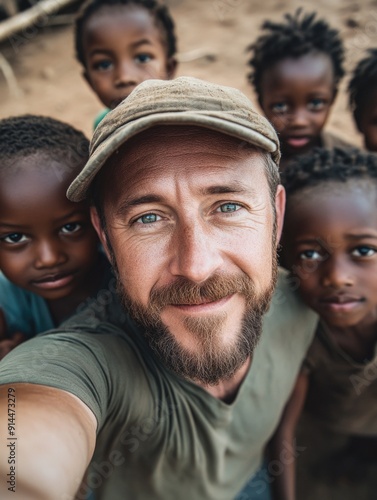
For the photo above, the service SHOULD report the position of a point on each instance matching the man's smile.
(203, 307)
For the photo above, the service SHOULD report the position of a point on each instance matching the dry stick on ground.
(10, 77)
(31, 16)
(35, 15)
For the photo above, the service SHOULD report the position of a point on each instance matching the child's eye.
(228, 207)
(363, 251)
(148, 219)
(143, 58)
(280, 107)
(310, 255)
(316, 104)
(14, 238)
(103, 65)
(71, 227)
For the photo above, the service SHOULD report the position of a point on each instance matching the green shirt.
(161, 436)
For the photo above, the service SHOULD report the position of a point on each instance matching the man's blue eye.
(229, 207)
(14, 238)
(148, 218)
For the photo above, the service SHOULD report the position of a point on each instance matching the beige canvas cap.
(183, 101)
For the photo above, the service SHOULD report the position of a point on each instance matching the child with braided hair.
(296, 67)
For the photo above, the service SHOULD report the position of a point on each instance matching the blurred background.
(39, 73)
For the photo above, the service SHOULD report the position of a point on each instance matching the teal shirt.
(100, 117)
(24, 311)
(28, 313)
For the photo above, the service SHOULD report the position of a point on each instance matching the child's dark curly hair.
(299, 35)
(323, 165)
(364, 78)
(26, 135)
(158, 11)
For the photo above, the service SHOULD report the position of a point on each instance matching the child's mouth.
(339, 304)
(298, 142)
(54, 281)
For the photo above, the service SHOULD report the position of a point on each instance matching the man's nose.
(197, 255)
(337, 272)
(49, 254)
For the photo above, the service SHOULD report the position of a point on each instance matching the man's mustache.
(185, 292)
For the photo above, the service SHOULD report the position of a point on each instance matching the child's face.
(330, 245)
(367, 123)
(47, 243)
(123, 47)
(296, 96)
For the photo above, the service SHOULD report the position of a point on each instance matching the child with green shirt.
(297, 66)
(121, 43)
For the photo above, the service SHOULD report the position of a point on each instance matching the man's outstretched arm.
(46, 442)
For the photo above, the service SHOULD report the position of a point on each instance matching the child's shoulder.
(24, 311)
(288, 318)
(101, 115)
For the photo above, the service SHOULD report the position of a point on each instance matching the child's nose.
(49, 254)
(337, 273)
(300, 118)
(126, 74)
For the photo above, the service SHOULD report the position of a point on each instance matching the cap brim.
(78, 189)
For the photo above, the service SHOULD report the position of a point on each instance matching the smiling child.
(49, 251)
(330, 248)
(362, 91)
(296, 69)
(121, 43)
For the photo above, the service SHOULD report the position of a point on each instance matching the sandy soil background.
(50, 82)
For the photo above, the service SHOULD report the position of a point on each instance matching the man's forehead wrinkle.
(139, 154)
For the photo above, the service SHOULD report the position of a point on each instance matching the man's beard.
(213, 360)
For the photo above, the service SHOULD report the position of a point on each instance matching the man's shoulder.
(288, 316)
(102, 312)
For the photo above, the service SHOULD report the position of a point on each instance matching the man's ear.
(171, 67)
(280, 210)
(96, 221)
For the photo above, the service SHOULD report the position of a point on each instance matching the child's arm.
(8, 343)
(283, 444)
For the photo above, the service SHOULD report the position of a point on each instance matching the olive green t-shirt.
(161, 436)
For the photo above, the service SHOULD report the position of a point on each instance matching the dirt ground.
(49, 80)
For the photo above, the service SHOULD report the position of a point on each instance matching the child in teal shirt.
(49, 252)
